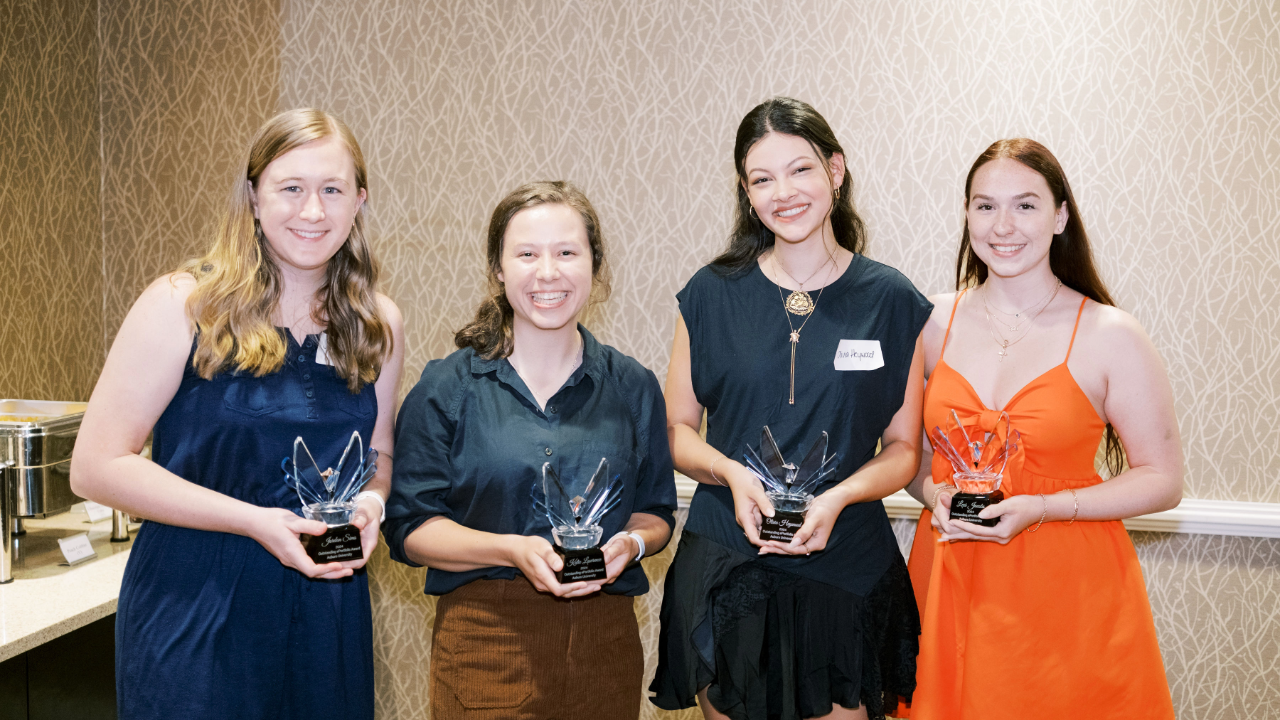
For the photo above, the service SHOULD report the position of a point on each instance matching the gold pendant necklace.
(799, 303)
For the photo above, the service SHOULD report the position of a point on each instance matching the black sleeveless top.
(852, 366)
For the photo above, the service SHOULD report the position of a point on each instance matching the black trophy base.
(782, 526)
(581, 565)
(966, 506)
(338, 544)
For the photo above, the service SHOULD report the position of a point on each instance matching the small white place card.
(76, 548)
(96, 512)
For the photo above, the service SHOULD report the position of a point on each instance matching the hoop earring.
(751, 210)
(837, 193)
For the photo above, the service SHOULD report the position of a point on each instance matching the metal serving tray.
(36, 439)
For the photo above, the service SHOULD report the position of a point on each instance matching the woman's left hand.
(367, 520)
(816, 530)
(618, 554)
(1016, 514)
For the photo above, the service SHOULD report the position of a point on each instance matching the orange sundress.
(1055, 624)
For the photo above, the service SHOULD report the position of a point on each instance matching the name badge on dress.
(322, 350)
(859, 355)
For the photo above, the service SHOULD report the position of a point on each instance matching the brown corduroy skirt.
(501, 649)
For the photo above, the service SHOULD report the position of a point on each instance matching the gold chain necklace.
(1020, 316)
(800, 302)
(808, 308)
(995, 332)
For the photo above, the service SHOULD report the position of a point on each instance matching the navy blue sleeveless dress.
(211, 625)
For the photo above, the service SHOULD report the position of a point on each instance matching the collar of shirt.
(507, 375)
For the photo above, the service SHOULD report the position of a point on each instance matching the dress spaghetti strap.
(1073, 330)
(952, 319)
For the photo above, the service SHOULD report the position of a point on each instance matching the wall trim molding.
(1192, 516)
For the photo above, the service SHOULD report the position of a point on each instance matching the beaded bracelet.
(1043, 514)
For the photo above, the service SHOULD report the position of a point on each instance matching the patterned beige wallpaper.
(50, 214)
(184, 84)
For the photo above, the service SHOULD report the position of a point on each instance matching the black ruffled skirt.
(778, 646)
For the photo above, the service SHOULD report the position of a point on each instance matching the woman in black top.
(792, 327)
(531, 386)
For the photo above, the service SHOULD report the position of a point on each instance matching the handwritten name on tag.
(96, 512)
(76, 548)
(859, 355)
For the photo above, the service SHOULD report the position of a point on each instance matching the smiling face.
(1012, 218)
(788, 185)
(546, 266)
(306, 202)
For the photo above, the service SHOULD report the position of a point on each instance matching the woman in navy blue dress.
(277, 332)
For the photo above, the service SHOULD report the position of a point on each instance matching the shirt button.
(548, 451)
(306, 376)
(302, 358)
(311, 393)
(552, 408)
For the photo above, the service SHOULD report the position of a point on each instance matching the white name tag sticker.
(96, 512)
(322, 350)
(76, 548)
(859, 355)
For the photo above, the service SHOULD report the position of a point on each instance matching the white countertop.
(36, 610)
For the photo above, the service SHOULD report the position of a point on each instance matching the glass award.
(788, 486)
(979, 458)
(575, 510)
(329, 496)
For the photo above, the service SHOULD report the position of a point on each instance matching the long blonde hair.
(238, 282)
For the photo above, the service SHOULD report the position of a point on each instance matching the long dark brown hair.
(1070, 256)
(750, 238)
(490, 334)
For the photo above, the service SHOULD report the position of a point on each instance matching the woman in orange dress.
(1044, 615)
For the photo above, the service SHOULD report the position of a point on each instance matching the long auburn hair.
(1070, 255)
(238, 282)
(491, 333)
(750, 238)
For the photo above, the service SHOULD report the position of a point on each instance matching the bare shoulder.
(163, 304)
(172, 287)
(942, 304)
(1113, 328)
(1116, 346)
(390, 311)
(935, 330)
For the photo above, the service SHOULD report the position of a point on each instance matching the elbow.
(86, 475)
(81, 476)
(1173, 493)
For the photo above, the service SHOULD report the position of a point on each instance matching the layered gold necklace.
(1016, 330)
(799, 303)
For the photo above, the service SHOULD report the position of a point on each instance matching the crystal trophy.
(789, 488)
(979, 458)
(575, 513)
(329, 496)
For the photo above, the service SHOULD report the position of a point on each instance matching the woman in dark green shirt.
(531, 386)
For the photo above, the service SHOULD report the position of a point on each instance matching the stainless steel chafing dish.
(36, 439)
